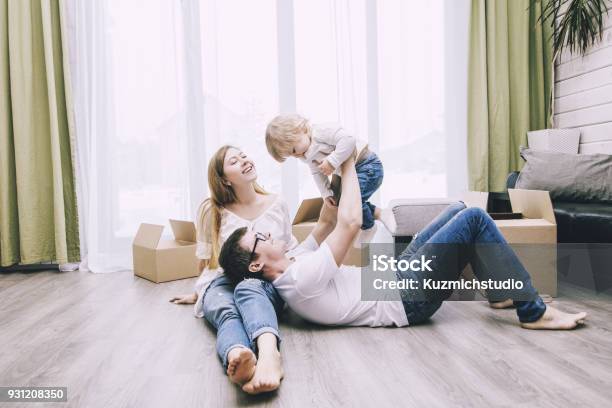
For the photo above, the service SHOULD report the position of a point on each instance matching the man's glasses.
(258, 237)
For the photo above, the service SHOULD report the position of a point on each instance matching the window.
(240, 78)
(411, 95)
(159, 85)
(330, 60)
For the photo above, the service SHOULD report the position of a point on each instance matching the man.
(314, 283)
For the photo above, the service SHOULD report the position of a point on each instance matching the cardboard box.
(305, 220)
(555, 140)
(533, 237)
(162, 260)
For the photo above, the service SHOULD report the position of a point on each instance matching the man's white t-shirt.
(320, 291)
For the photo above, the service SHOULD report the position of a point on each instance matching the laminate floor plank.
(115, 341)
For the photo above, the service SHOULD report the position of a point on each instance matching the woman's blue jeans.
(241, 313)
(456, 237)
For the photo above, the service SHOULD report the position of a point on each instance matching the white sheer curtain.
(159, 85)
(240, 78)
(412, 98)
(140, 147)
(331, 78)
(394, 73)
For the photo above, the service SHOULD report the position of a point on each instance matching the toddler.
(324, 147)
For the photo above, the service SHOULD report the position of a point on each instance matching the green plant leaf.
(579, 28)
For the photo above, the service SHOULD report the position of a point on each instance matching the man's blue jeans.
(241, 313)
(459, 236)
(370, 175)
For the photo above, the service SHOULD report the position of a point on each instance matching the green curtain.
(38, 213)
(510, 86)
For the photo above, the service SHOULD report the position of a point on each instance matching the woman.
(245, 315)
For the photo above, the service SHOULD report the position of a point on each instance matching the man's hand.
(189, 299)
(326, 168)
(330, 202)
(349, 214)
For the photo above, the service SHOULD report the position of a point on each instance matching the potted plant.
(580, 27)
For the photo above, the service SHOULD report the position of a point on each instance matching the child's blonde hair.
(282, 132)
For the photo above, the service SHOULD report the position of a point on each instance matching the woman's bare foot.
(241, 363)
(268, 374)
(554, 319)
(504, 304)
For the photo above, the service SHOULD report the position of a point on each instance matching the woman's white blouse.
(275, 220)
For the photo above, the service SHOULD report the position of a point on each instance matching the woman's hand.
(189, 299)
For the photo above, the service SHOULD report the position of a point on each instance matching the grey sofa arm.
(412, 215)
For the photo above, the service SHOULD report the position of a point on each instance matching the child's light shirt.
(332, 143)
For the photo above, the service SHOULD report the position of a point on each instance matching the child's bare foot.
(241, 363)
(387, 218)
(365, 236)
(268, 374)
(554, 319)
(504, 304)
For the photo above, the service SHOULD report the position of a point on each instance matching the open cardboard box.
(533, 237)
(305, 220)
(162, 260)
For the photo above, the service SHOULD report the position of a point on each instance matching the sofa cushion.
(583, 222)
(412, 215)
(568, 177)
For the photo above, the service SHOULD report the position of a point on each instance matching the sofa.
(584, 232)
(584, 235)
(579, 222)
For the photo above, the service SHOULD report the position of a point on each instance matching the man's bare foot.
(504, 304)
(268, 374)
(546, 298)
(554, 319)
(241, 363)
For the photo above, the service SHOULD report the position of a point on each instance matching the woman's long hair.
(221, 194)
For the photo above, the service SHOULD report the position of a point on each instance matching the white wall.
(583, 94)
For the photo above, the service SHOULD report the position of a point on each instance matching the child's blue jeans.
(370, 175)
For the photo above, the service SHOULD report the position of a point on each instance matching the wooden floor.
(115, 341)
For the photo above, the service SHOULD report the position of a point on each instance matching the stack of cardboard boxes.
(533, 236)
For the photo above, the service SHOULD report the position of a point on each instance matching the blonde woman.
(245, 315)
